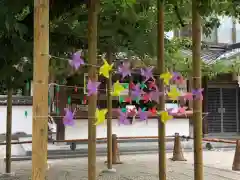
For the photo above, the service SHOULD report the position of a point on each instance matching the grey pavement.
(24, 151)
(135, 167)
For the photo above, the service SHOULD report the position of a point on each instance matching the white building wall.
(20, 123)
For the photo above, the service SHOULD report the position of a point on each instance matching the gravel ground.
(135, 167)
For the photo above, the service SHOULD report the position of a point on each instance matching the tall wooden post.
(161, 69)
(40, 89)
(92, 74)
(9, 130)
(197, 103)
(109, 118)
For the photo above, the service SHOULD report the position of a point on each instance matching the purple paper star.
(154, 95)
(123, 118)
(76, 61)
(176, 76)
(137, 92)
(68, 119)
(143, 115)
(124, 70)
(197, 93)
(92, 87)
(147, 72)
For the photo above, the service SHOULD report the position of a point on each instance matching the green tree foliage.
(16, 51)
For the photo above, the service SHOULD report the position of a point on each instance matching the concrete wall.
(80, 129)
(20, 123)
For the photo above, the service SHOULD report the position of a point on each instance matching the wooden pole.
(40, 89)
(197, 103)
(161, 69)
(92, 74)
(9, 131)
(109, 117)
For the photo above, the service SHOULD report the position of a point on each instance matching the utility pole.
(40, 90)
(93, 75)
(197, 80)
(161, 69)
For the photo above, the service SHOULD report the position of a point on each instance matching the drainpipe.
(234, 34)
(234, 39)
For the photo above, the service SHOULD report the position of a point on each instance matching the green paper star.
(124, 110)
(142, 85)
(69, 100)
(137, 99)
(121, 99)
(57, 111)
(26, 113)
(126, 85)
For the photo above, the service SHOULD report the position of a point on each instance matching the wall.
(80, 129)
(20, 123)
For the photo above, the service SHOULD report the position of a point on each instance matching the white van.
(52, 128)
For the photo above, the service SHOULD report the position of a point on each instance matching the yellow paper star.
(165, 116)
(173, 94)
(105, 68)
(100, 116)
(166, 77)
(117, 89)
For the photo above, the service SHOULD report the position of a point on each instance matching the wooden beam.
(40, 89)
(9, 130)
(93, 75)
(161, 69)
(109, 117)
(197, 84)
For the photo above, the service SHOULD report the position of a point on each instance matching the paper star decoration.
(142, 85)
(105, 68)
(132, 85)
(147, 73)
(153, 111)
(128, 99)
(181, 110)
(124, 70)
(154, 95)
(92, 87)
(173, 94)
(188, 96)
(124, 110)
(165, 116)
(197, 93)
(146, 97)
(152, 84)
(177, 77)
(68, 119)
(123, 118)
(117, 89)
(100, 116)
(132, 112)
(143, 115)
(136, 93)
(166, 77)
(121, 99)
(76, 61)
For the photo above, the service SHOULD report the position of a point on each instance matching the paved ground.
(136, 167)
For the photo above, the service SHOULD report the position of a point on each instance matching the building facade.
(221, 100)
